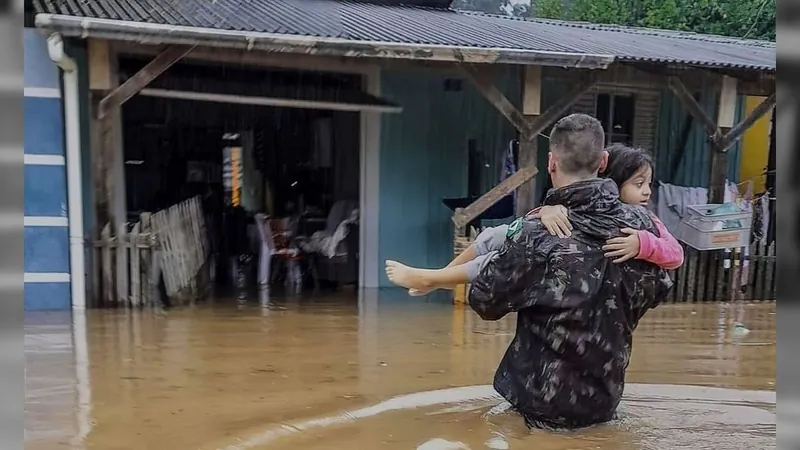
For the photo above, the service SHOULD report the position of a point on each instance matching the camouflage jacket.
(576, 310)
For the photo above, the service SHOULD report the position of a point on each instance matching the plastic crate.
(715, 227)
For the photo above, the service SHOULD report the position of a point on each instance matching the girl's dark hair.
(624, 162)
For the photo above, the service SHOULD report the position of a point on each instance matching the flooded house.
(170, 146)
(147, 123)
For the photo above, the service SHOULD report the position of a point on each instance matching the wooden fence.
(170, 245)
(705, 276)
(721, 275)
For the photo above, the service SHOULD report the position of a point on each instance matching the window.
(616, 113)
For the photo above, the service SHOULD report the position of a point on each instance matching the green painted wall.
(694, 168)
(424, 159)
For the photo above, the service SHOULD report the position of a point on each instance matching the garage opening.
(273, 151)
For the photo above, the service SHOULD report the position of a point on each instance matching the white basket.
(706, 228)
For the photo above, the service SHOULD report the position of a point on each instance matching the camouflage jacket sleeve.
(505, 284)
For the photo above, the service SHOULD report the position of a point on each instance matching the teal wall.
(423, 159)
(694, 168)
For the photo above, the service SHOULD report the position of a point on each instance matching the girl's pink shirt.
(664, 251)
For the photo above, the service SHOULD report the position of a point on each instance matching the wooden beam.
(109, 113)
(532, 108)
(264, 59)
(687, 100)
(553, 113)
(481, 78)
(738, 131)
(464, 216)
(143, 77)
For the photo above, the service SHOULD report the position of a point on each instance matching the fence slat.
(136, 270)
(144, 220)
(691, 261)
(769, 278)
(719, 276)
(122, 265)
(97, 275)
(759, 293)
(108, 272)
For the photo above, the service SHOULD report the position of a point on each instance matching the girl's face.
(636, 190)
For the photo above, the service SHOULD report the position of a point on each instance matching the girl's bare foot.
(404, 276)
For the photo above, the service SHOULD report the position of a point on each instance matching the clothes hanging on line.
(509, 167)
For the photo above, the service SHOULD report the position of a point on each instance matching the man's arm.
(505, 281)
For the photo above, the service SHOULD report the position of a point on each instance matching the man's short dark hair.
(578, 140)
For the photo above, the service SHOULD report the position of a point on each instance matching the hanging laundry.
(508, 168)
(757, 233)
(760, 218)
(673, 203)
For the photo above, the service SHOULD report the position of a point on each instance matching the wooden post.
(531, 109)
(103, 77)
(726, 116)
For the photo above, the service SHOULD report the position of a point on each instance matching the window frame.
(608, 126)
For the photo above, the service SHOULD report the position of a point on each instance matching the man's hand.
(555, 219)
(623, 248)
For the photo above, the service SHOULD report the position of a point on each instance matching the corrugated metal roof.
(363, 21)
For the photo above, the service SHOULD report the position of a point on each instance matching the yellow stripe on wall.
(755, 147)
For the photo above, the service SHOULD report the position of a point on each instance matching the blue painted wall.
(694, 169)
(424, 158)
(47, 242)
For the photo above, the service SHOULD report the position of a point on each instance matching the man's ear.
(551, 163)
(603, 162)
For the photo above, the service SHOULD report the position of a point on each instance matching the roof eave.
(159, 34)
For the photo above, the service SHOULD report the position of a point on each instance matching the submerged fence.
(170, 245)
(726, 275)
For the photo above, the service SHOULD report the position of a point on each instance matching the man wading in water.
(576, 309)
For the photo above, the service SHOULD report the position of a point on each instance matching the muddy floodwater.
(376, 370)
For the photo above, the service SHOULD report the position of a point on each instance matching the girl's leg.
(489, 240)
(429, 279)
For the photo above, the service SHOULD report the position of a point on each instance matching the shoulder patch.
(514, 229)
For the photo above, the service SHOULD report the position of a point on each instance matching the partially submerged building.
(393, 107)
